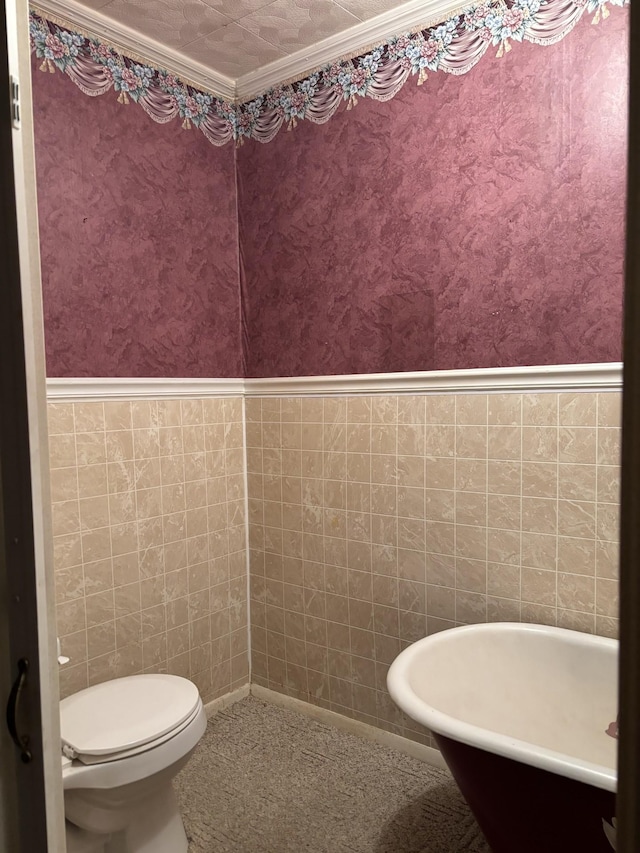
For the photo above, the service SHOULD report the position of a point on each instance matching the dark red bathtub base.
(522, 809)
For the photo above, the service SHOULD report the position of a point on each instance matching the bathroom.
(312, 400)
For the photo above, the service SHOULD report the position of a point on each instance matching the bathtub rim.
(600, 776)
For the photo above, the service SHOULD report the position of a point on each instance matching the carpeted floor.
(268, 780)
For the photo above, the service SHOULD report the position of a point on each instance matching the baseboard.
(222, 702)
(401, 744)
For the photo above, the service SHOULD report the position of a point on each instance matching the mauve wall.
(139, 245)
(477, 221)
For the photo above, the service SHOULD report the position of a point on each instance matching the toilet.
(123, 742)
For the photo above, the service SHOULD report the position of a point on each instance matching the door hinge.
(15, 103)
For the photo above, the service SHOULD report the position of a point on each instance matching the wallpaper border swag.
(454, 47)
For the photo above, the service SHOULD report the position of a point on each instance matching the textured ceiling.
(237, 37)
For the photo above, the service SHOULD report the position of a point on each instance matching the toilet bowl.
(123, 742)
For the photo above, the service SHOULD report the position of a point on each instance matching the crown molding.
(557, 377)
(102, 389)
(417, 14)
(135, 44)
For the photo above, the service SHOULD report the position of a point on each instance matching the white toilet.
(123, 742)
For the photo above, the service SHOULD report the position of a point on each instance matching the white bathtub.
(538, 696)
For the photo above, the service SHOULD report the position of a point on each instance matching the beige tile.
(608, 522)
(540, 479)
(117, 415)
(94, 513)
(69, 584)
(144, 414)
(471, 542)
(62, 451)
(610, 409)
(90, 448)
(575, 621)
(192, 412)
(503, 609)
(607, 560)
(471, 409)
(576, 556)
(411, 471)
(538, 586)
(439, 538)
(505, 409)
(60, 418)
(124, 538)
(505, 442)
(101, 640)
(71, 616)
(439, 439)
(98, 576)
(384, 410)
(439, 473)
(471, 575)
(64, 484)
(504, 477)
(89, 417)
(100, 608)
(120, 476)
(471, 475)
(539, 550)
(576, 592)
(471, 607)
(609, 445)
(577, 518)
(67, 550)
(577, 409)
(540, 409)
(504, 512)
(73, 678)
(470, 508)
(503, 546)
(539, 444)
(440, 409)
(577, 482)
(411, 409)
(65, 518)
(608, 483)
(471, 441)
(503, 581)
(96, 544)
(577, 444)
(119, 446)
(92, 480)
(540, 515)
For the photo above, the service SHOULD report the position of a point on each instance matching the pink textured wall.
(139, 244)
(476, 221)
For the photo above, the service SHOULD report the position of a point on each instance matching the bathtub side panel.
(522, 808)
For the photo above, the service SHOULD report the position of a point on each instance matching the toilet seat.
(126, 716)
(153, 758)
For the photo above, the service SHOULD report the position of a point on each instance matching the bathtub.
(523, 716)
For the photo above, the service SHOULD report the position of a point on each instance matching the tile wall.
(377, 520)
(150, 540)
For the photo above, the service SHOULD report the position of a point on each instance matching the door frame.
(28, 603)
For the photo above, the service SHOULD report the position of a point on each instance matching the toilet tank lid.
(124, 713)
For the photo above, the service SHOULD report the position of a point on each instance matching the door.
(31, 805)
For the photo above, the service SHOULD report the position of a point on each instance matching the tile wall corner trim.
(223, 702)
(557, 377)
(428, 754)
(80, 390)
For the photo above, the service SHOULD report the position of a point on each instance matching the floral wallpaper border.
(454, 47)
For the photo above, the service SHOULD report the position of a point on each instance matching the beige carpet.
(267, 780)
